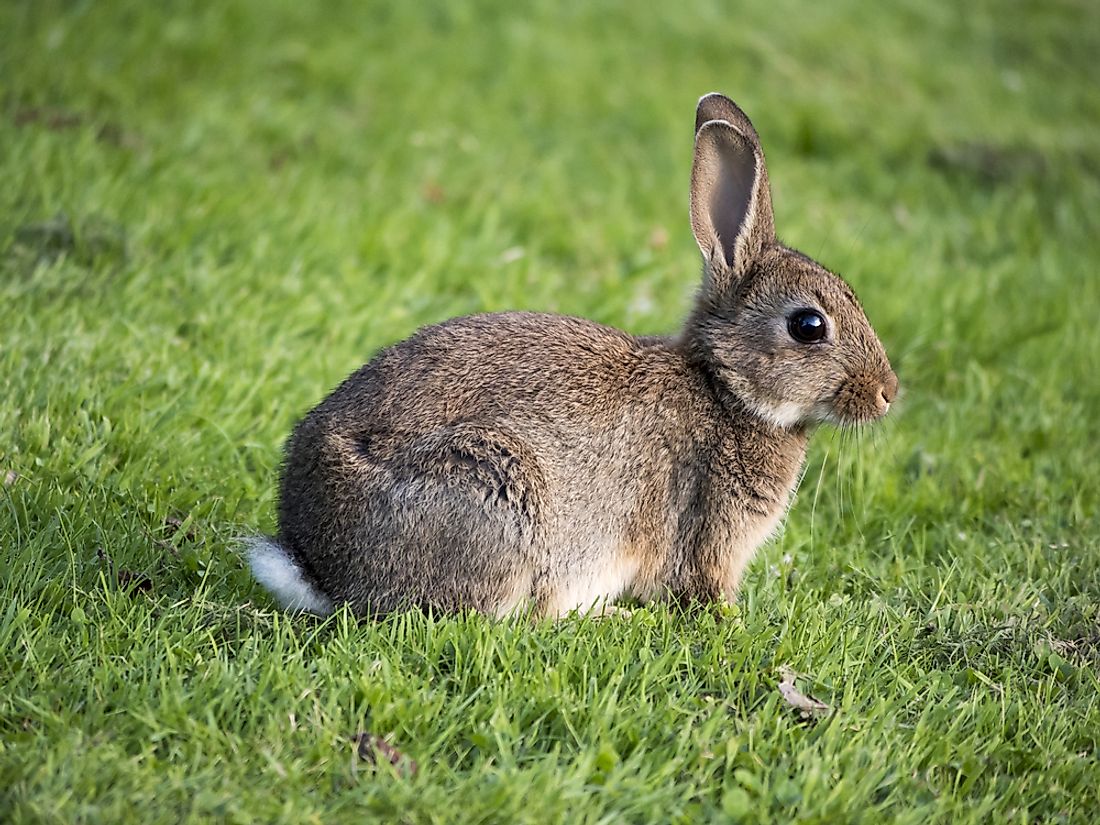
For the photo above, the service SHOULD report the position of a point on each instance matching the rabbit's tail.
(273, 567)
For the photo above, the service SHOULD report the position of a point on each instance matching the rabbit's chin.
(782, 414)
(852, 419)
(789, 414)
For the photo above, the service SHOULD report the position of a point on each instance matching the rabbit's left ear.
(731, 209)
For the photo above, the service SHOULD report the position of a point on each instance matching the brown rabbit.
(519, 461)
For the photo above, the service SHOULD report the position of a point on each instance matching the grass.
(212, 212)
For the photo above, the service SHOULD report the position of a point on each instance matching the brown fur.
(514, 460)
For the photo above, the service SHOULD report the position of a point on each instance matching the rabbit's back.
(502, 365)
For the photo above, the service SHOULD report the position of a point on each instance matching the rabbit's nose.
(889, 388)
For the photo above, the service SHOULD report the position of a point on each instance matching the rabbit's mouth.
(861, 401)
(855, 419)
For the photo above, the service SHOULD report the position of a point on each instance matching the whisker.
(794, 494)
(839, 483)
(817, 495)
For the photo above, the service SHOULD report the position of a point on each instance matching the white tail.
(276, 571)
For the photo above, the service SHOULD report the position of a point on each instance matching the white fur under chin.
(786, 414)
(782, 414)
(276, 571)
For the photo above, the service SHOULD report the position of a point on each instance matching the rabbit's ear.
(716, 106)
(731, 210)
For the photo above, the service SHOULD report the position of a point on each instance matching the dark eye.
(807, 326)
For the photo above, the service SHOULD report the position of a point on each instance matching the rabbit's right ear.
(731, 211)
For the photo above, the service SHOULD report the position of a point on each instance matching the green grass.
(211, 213)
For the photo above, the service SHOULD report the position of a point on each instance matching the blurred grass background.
(211, 213)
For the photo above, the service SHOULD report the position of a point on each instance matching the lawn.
(210, 213)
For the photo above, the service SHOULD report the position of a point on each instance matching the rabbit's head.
(782, 333)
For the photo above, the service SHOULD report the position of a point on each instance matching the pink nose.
(889, 388)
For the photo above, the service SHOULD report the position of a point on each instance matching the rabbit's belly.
(516, 598)
(607, 576)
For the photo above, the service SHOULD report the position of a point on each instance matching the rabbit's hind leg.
(459, 525)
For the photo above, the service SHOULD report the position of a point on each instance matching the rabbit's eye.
(807, 326)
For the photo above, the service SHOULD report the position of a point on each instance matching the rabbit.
(520, 462)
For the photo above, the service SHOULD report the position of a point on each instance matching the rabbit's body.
(521, 460)
(475, 485)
